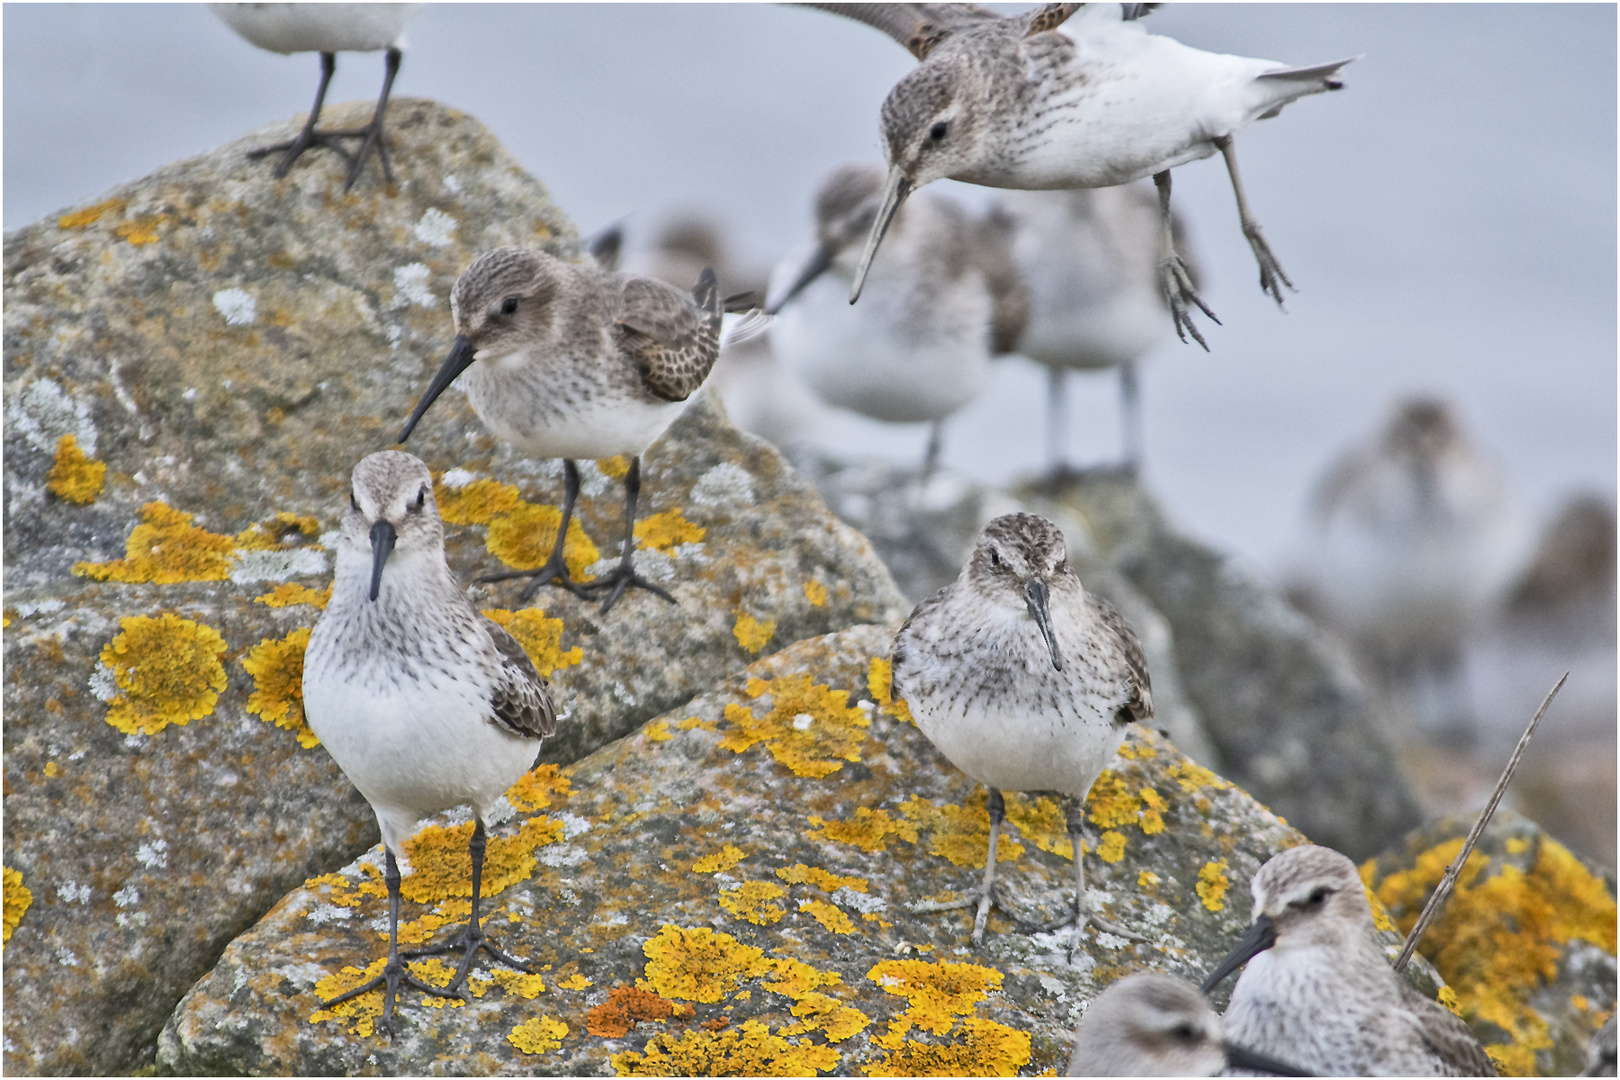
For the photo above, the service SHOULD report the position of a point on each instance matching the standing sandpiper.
(1012, 102)
(575, 362)
(1025, 681)
(424, 703)
(946, 299)
(327, 29)
(1153, 1024)
(1318, 988)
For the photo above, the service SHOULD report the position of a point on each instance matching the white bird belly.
(1021, 750)
(601, 425)
(290, 28)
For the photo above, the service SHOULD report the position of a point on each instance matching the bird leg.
(624, 575)
(394, 973)
(472, 939)
(996, 806)
(1271, 272)
(1131, 416)
(931, 455)
(1057, 422)
(310, 136)
(1174, 280)
(555, 570)
(372, 133)
(1082, 913)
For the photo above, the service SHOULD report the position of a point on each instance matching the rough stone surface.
(737, 876)
(211, 342)
(1526, 941)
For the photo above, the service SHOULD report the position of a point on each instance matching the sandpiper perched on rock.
(946, 299)
(1024, 680)
(1318, 988)
(327, 29)
(574, 361)
(424, 703)
(1153, 1024)
(1014, 102)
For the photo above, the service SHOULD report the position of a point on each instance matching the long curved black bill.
(820, 259)
(382, 543)
(459, 360)
(1036, 597)
(894, 193)
(1239, 1057)
(1261, 936)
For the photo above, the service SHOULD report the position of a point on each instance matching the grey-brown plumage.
(574, 361)
(1318, 989)
(1023, 679)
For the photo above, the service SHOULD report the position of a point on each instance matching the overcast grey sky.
(1449, 218)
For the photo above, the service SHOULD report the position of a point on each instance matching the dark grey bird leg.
(1130, 410)
(1271, 272)
(394, 974)
(1082, 906)
(996, 806)
(373, 132)
(931, 455)
(1174, 280)
(472, 939)
(624, 575)
(1057, 421)
(555, 570)
(310, 136)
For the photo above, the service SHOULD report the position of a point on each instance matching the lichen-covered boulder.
(728, 892)
(1526, 940)
(192, 367)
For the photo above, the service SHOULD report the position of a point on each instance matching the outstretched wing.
(919, 27)
(522, 704)
(672, 340)
(1139, 705)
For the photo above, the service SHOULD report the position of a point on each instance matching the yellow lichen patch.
(1192, 776)
(1151, 819)
(274, 534)
(751, 633)
(166, 548)
(627, 1006)
(868, 830)
(52, 769)
(795, 979)
(277, 667)
(1111, 848)
(816, 593)
(936, 993)
(75, 476)
(442, 868)
(365, 1010)
(477, 502)
(722, 860)
(1380, 914)
(80, 218)
(575, 981)
(1212, 885)
(697, 723)
(538, 1035)
(344, 893)
(658, 731)
(826, 880)
(981, 1048)
(1148, 880)
(453, 912)
(829, 1016)
(878, 680)
(1041, 821)
(828, 915)
(1448, 998)
(750, 1049)
(141, 230)
(754, 901)
(517, 983)
(698, 964)
(167, 671)
(540, 637)
(960, 833)
(17, 898)
(539, 788)
(667, 531)
(523, 539)
(291, 593)
(613, 467)
(811, 729)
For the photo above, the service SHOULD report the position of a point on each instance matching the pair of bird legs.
(311, 136)
(555, 569)
(470, 941)
(1082, 914)
(1057, 427)
(1174, 278)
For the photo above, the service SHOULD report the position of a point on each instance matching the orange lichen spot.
(1042, 821)
(538, 1035)
(90, 214)
(478, 502)
(960, 833)
(277, 667)
(667, 531)
(935, 992)
(868, 830)
(1192, 776)
(829, 1016)
(166, 548)
(828, 915)
(627, 1006)
(575, 981)
(290, 593)
(441, 867)
(810, 728)
(1212, 885)
(722, 860)
(17, 898)
(751, 633)
(879, 678)
(698, 964)
(816, 593)
(826, 880)
(749, 1049)
(540, 637)
(523, 538)
(275, 533)
(75, 476)
(1111, 848)
(141, 230)
(980, 1048)
(539, 788)
(166, 670)
(755, 901)
(615, 467)
(658, 731)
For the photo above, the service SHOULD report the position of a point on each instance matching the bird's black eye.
(353, 501)
(1318, 895)
(421, 499)
(1184, 1032)
(509, 305)
(937, 132)
(995, 557)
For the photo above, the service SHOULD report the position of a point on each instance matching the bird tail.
(1316, 78)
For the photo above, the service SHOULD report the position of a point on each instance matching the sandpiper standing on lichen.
(1025, 681)
(423, 702)
(1319, 989)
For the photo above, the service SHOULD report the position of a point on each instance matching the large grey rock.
(223, 345)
